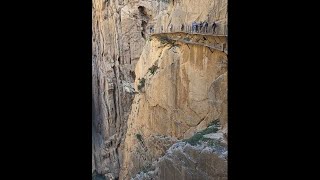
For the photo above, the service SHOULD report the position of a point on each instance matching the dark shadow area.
(133, 75)
(142, 10)
(96, 176)
(144, 26)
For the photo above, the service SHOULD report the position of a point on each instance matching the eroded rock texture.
(185, 162)
(135, 123)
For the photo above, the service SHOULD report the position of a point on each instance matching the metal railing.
(219, 30)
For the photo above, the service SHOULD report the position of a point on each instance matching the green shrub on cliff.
(141, 83)
(213, 127)
(166, 40)
(186, 39)
(153, 69)
(139, 137)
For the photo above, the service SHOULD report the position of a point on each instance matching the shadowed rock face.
(185, 162)
(186, 91)
(192, 163)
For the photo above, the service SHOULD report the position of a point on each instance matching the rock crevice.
(186, 91)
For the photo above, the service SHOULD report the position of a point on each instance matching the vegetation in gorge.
(213, 127)
(165, 40)
(139, 137)
(142, 82)
(153, 69)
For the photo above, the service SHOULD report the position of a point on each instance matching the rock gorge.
(156, 96)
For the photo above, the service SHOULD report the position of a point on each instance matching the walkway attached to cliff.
(220, 42)
(216, 46)
(218, 31)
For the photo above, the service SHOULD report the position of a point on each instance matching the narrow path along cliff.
(159, 89)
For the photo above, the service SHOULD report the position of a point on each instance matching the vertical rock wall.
(122, 52)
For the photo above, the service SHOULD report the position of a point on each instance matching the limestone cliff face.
(117, 45)
(184, 88)
(185, 162)
(185, 94)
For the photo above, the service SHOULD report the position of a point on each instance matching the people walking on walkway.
(171, 26)
(200, 26)
(214, 25)
(182, 27)
(206, 27)
(193, 26)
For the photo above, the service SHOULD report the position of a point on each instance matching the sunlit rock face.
(149, 93)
